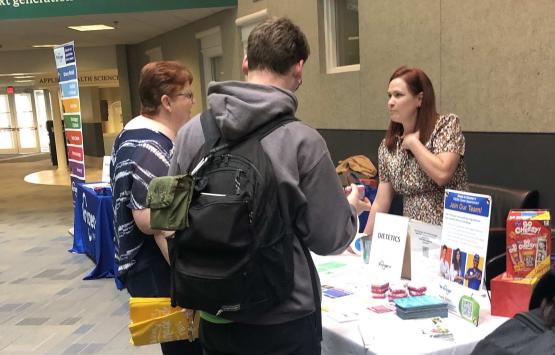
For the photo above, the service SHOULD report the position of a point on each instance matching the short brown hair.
(417, 82)
(158, 79)
(276, 45)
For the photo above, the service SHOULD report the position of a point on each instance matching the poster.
(464, 243)
(66, 65)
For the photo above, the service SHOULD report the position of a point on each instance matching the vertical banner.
(464, 239)
(66, 65)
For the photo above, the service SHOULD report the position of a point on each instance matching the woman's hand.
(439, 167)
(410, 140)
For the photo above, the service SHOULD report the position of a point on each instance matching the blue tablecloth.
(93, 230)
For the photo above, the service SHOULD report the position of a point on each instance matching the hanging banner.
(464, 239)
(66, 65)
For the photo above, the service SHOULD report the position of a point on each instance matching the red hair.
(158, 79)
(417, 82)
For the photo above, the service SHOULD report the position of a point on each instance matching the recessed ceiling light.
(45, 45)
(23, 81)
(91, 28)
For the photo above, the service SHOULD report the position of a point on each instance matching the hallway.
(45, 306)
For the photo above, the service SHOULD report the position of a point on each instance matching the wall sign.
(22, 9)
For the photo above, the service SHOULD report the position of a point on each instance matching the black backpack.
(237, 253)
(525, 334)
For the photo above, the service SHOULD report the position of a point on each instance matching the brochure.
(464, 243)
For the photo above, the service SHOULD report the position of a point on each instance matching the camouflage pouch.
(169, 198)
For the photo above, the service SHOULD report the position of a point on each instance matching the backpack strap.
(210, 130)
(271, 126)
(316, 294)
(213, 137)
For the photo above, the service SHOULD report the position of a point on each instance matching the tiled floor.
(45, 306)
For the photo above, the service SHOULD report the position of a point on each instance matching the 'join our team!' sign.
(71, 108)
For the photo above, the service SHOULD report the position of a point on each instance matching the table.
(385, 333)
(94, 229)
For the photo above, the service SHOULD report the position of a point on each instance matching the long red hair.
(417, 82)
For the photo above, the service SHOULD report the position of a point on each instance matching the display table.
(94, 229)
(349, 327)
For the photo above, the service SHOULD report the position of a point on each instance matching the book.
(420, 303)
(429, 313)
(421, 307)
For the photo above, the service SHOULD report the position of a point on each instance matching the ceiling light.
(24, 77)
(45, 45)
(91, 28)
(23, 81)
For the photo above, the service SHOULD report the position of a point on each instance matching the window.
(341, 33)
(216, 66)
(247, 23)
(211, 52)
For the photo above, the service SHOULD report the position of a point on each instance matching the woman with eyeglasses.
(141, 152)
(422, 152)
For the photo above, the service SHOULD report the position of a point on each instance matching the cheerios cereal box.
(528, 243)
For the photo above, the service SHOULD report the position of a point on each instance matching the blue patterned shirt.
(138, 155)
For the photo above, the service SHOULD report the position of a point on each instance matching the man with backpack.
(302, 206)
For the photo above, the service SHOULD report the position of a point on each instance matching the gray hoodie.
(310, 194)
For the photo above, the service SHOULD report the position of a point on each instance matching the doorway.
(20, 129)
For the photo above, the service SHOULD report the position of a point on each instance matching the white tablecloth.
(386, 333)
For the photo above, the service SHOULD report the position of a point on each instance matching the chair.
(503, 200)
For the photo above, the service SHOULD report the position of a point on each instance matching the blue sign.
(69, 89)
(467, 203)
(69, 53)
(67, 73)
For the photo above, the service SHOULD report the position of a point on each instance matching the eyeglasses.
(188, 94)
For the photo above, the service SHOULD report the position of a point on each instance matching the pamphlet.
(464, 243)
(105, 169)
(425, 245)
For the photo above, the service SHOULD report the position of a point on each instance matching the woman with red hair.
(422, 152)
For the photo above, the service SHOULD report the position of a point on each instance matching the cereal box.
(528, 243)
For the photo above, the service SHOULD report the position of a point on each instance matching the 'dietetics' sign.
(66, 65)
(388, 246)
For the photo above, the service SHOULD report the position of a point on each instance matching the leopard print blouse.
(422, 197)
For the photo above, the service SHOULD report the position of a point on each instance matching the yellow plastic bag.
(154, 320)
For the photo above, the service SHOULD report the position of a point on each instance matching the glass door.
(26, 123)
(8, 144)
(42, 105)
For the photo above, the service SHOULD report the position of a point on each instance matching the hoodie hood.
(241, 107)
